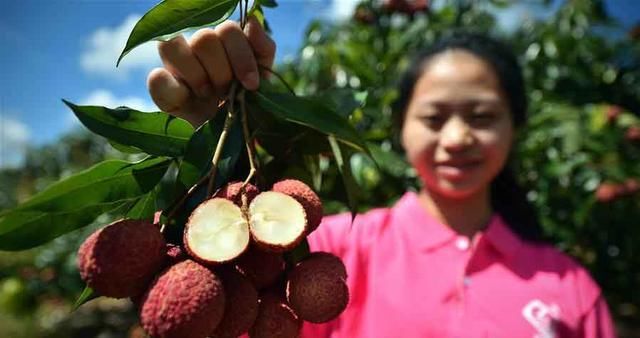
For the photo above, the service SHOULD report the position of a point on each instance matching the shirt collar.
(501, 237)
(423, 232)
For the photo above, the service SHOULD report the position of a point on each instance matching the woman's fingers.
(168, 93)
(209, 51)
(239, 53)
(263, 46)
(179, 59)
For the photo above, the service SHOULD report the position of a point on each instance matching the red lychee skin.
(175, 254)
(241, 305)
(121, 259)
(275, 319)
(186, 301)
(612, 113)
(631, 186)
(231, 191)
(317, 289)
(260, 267)
(306, 196)
(608, 192)
(633, 134)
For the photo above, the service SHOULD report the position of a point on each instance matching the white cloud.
(103, 97)
(14, 140)
(106, 44)
(341, 9)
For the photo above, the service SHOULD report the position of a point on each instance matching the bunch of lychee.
(229, 275)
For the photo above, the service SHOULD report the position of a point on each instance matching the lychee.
(121, 259)
(260, 267)
(241, 307)
(608, 192)
(277, 221)
(186, 301)
(317, 289)
(306, 196)
(216, 232)
(231, 191)
(275, 319)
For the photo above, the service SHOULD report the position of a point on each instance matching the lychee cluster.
(229, 275)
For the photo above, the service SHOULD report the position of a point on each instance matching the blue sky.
(53, 49)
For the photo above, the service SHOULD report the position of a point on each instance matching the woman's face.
(458, 130)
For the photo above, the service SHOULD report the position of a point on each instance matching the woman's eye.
(482, 117)
(432, 119)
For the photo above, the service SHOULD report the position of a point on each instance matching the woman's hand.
(197, 74)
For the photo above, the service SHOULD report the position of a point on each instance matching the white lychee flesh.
(277, 220)
(217, 231)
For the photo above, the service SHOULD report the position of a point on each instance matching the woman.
(460, 258)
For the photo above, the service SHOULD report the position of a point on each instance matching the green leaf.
(27, 229)
(344, 167)
(170, 17)
(76, 201)
(268, 3)
(310, 113)
(86, 295)
(144, 207)
(199, 152)
(153, 133)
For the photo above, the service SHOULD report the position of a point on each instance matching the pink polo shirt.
(411, 276)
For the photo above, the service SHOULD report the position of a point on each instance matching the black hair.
(508, 198)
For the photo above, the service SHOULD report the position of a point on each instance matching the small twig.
(247, 138)
(223, 138)
(271, 71)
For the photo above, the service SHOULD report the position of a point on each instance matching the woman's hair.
(507, 197)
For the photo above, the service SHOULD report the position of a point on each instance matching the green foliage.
(170, 17)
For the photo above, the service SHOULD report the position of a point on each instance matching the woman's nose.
(456, 135)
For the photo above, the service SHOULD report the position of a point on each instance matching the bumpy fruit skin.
(317, 289)
(186, 301)
(241, 305)
(175, 254)
(121, 259)
(305, 196)
(231, 192)
(260, 267)
(275, 319)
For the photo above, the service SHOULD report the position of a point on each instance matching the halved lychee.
(277, 221)
(216, 232)
(306, 196)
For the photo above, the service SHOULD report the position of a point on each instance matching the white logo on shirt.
(541, 316)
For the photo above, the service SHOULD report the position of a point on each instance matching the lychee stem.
(247, 139)
(223, 138)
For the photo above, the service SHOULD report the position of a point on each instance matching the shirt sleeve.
(597, 321)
